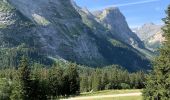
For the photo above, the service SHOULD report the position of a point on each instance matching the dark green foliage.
(56, 81)
(84, 84)
(112, 77)
(24, 71)
(96, 80)
(9, 57)
(158, 82)
(37, 82)
(73, 79)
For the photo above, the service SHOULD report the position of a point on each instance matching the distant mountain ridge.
(147, 30)
(151, 34)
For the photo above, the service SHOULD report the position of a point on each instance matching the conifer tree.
(158, 82)
(73, 79)
(24, 71)
(84, 84)
(56, 81)
(96, 80)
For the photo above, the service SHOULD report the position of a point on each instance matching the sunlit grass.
(121, 98)
(110, 92)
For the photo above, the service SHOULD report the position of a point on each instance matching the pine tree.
(96, 80)
(39, 83)
(56, 81)
(84, 84)
(24, 71)
(73, 80)
(158, 82)
(104, 80)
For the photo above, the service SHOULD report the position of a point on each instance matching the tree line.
(38, 83)
(111, 77)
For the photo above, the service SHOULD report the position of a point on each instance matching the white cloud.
(130, 4)
(136, 3)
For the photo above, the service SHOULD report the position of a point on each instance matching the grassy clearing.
(110, 92)
(109, 95)
(121, 98)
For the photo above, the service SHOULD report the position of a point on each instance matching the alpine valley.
(51, 30)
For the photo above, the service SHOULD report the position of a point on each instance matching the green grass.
(117, 43)
(109, 92)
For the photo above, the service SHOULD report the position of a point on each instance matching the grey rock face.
(58, 30)
(57, 26)
(147, 30)
(114, 20)
(151, 34)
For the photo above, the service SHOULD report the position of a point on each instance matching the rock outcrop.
(151, 34)
(114, 20)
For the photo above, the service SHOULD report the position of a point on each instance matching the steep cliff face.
(155, 41)
(151, 34)
(57, 30)
(53, 26)
(147, 30)
(114, 20)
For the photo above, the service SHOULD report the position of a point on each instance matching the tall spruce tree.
(158, 82)
(73, 80)
(84, 84)
(24, 71)
(96, 80)
(56, 81)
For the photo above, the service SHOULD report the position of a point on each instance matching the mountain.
(151, 34)
(56, 30)
(147, 30)
(115, 21)
(155, 42)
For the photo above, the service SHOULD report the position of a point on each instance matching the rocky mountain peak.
(112, 11)
(151, 34)
(109, 12)
(147, 30)
(114, 20)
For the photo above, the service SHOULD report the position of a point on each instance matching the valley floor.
(110, 95)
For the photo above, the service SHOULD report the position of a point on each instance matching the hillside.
(57, 30)
(115, 21)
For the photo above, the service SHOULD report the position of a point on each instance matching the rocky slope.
(53, 26)
(155, 41)
(114, 20)
(151, 34)
(147, 30)
(57, 30)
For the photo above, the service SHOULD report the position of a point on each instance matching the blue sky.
(137, 12)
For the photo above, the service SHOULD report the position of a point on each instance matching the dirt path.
(104, 96)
